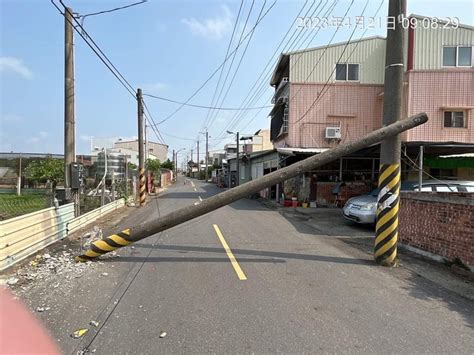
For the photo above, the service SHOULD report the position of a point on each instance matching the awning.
(450, 161)
(309, 151)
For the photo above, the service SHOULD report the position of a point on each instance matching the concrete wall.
(439, 223)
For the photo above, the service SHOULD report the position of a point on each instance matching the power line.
(112, 10)
(206, 107)
(219, 67)
(116, 73)
(291, 43)
(226, 54)
(255, 97)
(323, 92)
(249, 97)
(153, 123)
(233, 58)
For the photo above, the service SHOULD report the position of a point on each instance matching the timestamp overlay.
(366, 22)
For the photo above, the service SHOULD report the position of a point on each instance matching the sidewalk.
(329, 222)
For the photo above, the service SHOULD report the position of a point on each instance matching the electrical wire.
(233, 58)
(288, 47)
(112, 10)
(264, 72)
(257, 94)
(97, 51)
(325, 87)
(219, 67)
(226, 54)
(206, 107)
(153, 123)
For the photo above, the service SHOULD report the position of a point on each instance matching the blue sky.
(168, 48)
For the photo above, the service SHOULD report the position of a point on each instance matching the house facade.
(331, 95)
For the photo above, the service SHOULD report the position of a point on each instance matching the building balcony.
(282, 91)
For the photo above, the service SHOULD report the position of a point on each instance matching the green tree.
(168, 165)
(153, 165)
(46, 169)
(132, 166)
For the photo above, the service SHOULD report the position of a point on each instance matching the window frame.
(347, 72)
(453, 111)
(286, 113)
(456, 59)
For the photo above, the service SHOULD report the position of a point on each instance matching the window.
(457, 56)
(464, 56)
(347, 72)
(454, 119)
(284, 128)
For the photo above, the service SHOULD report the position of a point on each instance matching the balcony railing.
(281, 90)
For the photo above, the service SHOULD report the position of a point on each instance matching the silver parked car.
(363, 209)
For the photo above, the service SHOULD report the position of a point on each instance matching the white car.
(363, 209)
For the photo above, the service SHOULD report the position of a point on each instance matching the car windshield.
(374, 192)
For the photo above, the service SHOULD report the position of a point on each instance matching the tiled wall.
(356, 108)
(430, 91)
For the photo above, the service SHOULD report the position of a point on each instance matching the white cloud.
(211, 28)
(43, 134)
(85, 137)
(15, 65)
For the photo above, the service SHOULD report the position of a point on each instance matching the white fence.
(24, 235)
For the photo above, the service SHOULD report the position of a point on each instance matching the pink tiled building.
(329, 95)
(333, 94)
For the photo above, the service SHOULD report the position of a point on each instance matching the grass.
(12, 205)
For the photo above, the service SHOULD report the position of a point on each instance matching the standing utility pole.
(237, 181)
(18, 187)
(385, 252)
(207, 155)
(69, 119)
(141, 156)
(174, 165)
(420, 168)
(199, 164)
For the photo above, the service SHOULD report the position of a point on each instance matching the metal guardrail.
(91, 216)
(25, 235)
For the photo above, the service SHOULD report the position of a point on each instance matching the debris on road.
(12, 281)
(79, 333)
(92, 236)
(94, 323)
(42, 309)
(105, 274)
(162, 334)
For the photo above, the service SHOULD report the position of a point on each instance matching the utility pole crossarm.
(185, 214)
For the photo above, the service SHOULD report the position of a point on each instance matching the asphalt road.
(259, 282)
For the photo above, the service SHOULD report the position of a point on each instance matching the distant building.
(155, 150)
(128, 148)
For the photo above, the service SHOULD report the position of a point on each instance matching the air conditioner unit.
(333, 133)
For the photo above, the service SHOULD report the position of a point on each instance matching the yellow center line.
(229, 253)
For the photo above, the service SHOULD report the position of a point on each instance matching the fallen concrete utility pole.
(185, 214)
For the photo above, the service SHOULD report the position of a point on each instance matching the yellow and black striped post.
(386, 234)
(106, 245)
(142, 187)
